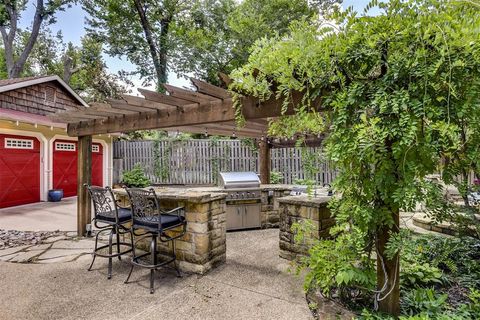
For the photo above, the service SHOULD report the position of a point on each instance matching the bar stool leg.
(110, 236)
(153, 248)
(118, 242)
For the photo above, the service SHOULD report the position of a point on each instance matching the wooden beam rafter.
(209, 89)
(189, 95)
(163, 98)
(212, 112)
(141, 102)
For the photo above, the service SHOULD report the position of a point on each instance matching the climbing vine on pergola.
(394, 89)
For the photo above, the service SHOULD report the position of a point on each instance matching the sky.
(71, 23)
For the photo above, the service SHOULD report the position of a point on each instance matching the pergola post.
(84, 176)
(265, 163)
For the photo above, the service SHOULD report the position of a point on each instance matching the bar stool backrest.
(104, 203)
(144, 203)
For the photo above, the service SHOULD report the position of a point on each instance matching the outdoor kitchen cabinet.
(243, 216)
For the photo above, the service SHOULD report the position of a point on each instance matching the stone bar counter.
(300, 208)
(204, 244)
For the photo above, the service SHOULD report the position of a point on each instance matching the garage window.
(64, 146)
(11, 143)
(95, 148)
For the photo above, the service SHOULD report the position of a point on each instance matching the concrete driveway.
(252, 284)
(41, 216)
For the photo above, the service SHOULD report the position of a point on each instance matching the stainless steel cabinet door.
(234, 217)
(251, 217)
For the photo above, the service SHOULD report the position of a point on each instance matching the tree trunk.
(15, 68)
(160, 69)
(165, 24)
(390, 297)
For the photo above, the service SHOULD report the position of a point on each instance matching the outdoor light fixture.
(51, 128)
(35, 125)
(17, 123)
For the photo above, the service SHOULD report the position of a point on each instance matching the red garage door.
(97, 164)
(19, 170)
(65, 166)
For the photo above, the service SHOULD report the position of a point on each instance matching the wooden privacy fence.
(200, 161)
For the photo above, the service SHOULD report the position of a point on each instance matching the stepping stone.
(57, 253)
(40, 247)
(54, 239)
(25, 257)
(74, 244)
(62, 259)
(9, 251)
(10, 256)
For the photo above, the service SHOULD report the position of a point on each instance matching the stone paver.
(9, 251)
(57, 253)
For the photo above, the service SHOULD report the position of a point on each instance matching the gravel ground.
(15, 238)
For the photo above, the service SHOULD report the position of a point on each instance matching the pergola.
(208, 109)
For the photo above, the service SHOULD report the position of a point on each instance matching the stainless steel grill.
(243, 199)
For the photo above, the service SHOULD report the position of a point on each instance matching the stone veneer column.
(270, 216)
(204, 244)
(300, 208)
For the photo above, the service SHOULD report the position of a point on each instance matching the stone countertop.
(305, 200)
(263, 187)
(183, 194)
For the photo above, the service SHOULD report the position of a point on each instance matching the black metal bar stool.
(109, 217)
(151, 221)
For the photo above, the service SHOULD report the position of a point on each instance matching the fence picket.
(199, 161)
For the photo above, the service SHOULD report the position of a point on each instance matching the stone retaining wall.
(300, 208)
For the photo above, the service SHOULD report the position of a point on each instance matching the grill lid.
(230, 180)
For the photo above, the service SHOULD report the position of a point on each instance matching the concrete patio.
(41, 216)
(253, 284)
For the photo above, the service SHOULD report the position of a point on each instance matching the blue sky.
(71, 23)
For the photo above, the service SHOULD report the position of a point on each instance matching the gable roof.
(17, 83)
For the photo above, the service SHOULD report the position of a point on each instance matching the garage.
(19, 170)
(65, 166)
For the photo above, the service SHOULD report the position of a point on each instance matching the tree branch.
(37, 22)
(149, 37)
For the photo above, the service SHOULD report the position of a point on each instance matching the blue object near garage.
(55, 195)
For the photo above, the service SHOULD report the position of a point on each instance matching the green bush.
(136, 177)
(276, 177)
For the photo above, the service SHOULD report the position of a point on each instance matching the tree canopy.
(396, 89)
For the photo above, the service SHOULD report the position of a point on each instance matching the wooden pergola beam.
(188, 94)
(209, 89)
(212, 112)
(141, 102)
(253, 108)
(84, 176)
(264, 161)
(160, 97)
(213, 129)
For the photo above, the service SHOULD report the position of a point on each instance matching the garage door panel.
(97, 164)
(19, 170)
(65, 166)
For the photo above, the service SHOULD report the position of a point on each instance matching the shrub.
(276, 177)
(136, 177)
